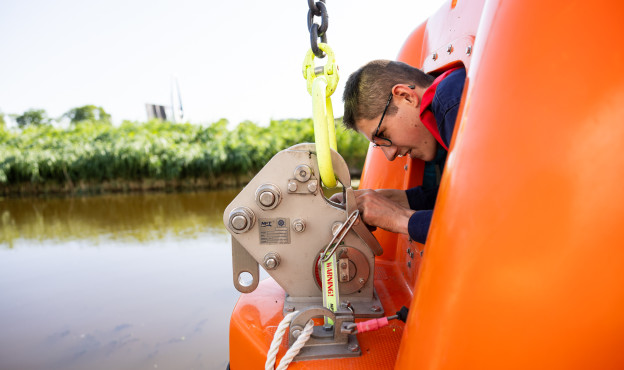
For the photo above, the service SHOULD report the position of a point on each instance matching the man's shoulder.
(450, 89)
(446, 102)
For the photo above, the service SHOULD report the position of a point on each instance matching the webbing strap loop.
(321, 88)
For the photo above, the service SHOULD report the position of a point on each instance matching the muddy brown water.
(139, 281)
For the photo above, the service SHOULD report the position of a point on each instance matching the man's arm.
(389, 209)
(420, 198)
(418, 225)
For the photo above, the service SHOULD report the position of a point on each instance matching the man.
(403, 111)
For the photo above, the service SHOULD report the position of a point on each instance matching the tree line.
(39, 117)
(92, 155)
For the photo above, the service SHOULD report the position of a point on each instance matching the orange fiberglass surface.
(524, 262)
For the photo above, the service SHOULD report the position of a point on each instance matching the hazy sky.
(239, 60)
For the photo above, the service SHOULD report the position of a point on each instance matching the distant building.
(156, 111)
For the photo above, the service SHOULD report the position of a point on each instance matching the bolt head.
(270, 263)
(298, 226)
(449, 49)
(435, 56)
(302, 173)
(296, 333)
(267, 198)
(289, 309)
(469, 50)
(376, 308)
(312, 186)
(239, 222)
(354, 347)
(292, 186)
(361, 281)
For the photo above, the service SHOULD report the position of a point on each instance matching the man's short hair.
(367, 89)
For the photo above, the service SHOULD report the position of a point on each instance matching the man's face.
(405, 130)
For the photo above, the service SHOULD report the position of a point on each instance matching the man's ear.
(404, 93)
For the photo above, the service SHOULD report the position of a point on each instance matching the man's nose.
(390, 152)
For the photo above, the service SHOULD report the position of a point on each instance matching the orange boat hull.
(524, 264)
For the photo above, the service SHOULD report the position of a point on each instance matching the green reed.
(91, 151)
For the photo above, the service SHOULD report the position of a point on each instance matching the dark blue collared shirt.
(422, 198)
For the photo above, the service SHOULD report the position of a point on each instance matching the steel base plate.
(361, 307)
(321, 351)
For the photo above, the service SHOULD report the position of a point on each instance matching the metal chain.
(317, 31)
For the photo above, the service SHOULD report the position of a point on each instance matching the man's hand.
(380, 211)
(395, 195)
(337, 198)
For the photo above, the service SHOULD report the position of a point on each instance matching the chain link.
(317, 31)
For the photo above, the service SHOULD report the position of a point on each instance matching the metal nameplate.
(274, 230)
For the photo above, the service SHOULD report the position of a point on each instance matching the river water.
(139, 281)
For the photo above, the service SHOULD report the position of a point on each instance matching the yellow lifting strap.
(321, 88)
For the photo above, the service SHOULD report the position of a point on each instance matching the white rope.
(292, 351)
(296, 347)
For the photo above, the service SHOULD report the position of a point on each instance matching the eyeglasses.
(382, 141)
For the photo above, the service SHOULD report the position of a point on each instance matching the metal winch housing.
(283, 221)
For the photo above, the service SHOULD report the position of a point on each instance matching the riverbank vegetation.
(92, 156)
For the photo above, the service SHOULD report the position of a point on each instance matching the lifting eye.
(245, 279)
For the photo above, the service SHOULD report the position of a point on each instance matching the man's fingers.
(336, 198)
(362, 192)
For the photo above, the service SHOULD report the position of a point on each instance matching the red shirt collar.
(426, 115)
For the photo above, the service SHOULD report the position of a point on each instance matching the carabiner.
(342, 232)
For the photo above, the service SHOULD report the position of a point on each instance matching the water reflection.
(139, 217)
(137, 281)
